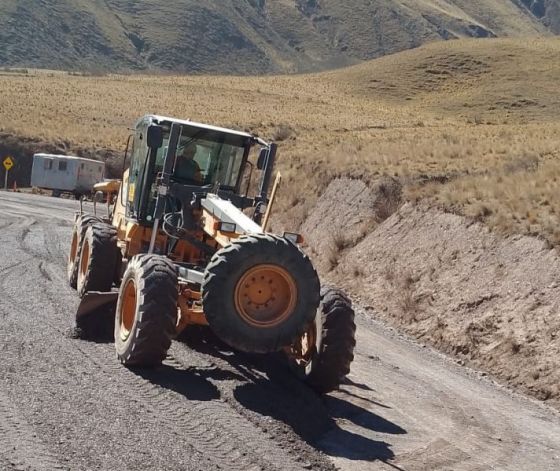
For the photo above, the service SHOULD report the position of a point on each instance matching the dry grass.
(473, 126)
(402, 286)
(338, 243)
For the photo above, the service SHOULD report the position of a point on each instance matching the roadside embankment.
(490, 301)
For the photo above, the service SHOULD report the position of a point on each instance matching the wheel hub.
(265, 296)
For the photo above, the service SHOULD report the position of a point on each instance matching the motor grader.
(177, 250)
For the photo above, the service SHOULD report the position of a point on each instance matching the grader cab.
(185, 244)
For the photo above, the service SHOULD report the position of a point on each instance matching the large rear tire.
(98, 258)
(146, 316)
(78, 232)
(259, 293)
(323, 355)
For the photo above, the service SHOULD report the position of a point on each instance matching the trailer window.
(48, 164)
(62, 165)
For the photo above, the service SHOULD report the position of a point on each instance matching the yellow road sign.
(8, 163)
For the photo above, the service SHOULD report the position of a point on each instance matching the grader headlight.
(227, 227)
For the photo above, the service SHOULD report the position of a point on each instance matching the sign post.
(8, 164)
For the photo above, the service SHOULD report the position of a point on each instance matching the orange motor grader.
(184, 244)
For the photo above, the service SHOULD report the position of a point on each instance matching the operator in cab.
(187, 169)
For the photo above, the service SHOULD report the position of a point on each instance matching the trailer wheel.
(78, 232)
(324, 353)
(146, 316)
(98, 258)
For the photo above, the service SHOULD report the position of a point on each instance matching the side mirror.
(155, 137)
(263, 156)
(98, 197)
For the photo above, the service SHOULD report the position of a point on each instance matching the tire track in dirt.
(457, 431)
(283, 409)
(22, 308)
(14, 265)
(289, 449)
(206, 424)
(35, 241)
(194, 422)
(219, 415)
(459, 425)
(458, 445)
(20, 448)
(174, 413)
(230, 411)
(18, 221)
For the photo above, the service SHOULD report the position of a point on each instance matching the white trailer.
(66, 173)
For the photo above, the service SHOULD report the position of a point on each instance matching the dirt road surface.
(67, 403)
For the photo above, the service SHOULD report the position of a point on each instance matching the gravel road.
(66, 403)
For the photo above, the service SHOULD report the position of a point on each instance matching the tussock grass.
(473, 126)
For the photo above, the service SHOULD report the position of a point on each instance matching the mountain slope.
(248, 36)
(548, 11)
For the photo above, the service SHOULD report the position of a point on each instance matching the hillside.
(248, 36)
(470, 125)
(548, 11)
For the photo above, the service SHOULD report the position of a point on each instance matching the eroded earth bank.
(491, 302)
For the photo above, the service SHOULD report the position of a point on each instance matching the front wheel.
(259, 293)
(323, 354)
(146, 316)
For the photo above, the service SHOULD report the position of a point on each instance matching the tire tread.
(104, 252)
(337, 341)
(156, 316)
(218, 306)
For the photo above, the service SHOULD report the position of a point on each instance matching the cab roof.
(163, 119)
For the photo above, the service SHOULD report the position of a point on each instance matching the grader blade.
(94, 300)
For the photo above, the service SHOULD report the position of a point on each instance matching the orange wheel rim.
(265, 296)
(128, 309)
(73, 248)
(84, 259)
